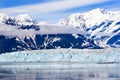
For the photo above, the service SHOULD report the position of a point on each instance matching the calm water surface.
(59, 71)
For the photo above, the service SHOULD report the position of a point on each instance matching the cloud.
(50, 10)
(50, 6)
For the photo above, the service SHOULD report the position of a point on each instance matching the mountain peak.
(98, 10)
(101, 25)
(88, 19)
(24, 19)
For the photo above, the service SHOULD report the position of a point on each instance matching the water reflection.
(88, 73)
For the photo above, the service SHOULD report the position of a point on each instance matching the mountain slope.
(100, 25)
(94, 29)
(45, 41)
(23, 33)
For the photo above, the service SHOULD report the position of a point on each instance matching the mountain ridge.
(24, 34)
(94, 29)
(99, 23)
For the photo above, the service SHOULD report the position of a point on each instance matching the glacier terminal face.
(64, 55)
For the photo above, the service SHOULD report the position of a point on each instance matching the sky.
(54, 10)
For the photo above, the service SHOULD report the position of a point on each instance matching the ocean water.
(59, 71)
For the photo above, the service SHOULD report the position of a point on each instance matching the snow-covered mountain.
(93, 29)
(101, 25)
(24, 19)
(24, 33)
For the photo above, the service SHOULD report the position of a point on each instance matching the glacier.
(110, 55)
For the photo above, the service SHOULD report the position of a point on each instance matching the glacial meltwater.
(59, 71)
